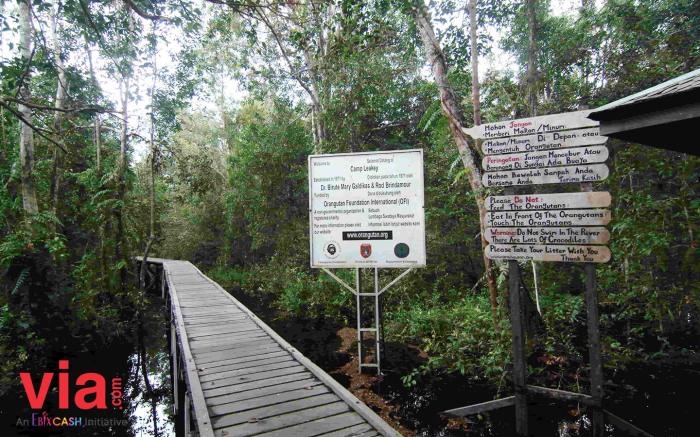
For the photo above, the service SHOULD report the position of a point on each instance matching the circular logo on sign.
(401, 250)
(331, 249)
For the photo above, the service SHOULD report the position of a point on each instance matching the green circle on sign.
(401, 250)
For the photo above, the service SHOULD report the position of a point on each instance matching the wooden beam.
(594, 352)
(519, 358)
(481, 408)
(625, 425)
(649, 119)
(561, 395)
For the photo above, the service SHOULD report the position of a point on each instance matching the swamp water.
(132, 404)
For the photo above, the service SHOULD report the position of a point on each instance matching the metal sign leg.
(358, 308)
(377, 321)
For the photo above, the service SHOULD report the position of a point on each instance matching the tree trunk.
(474, 46)
(451, 110)
(26, 141)
(476, 105)
(152, 178)
(121, 177)
(59, 104)
(97, 123)
(531, 6)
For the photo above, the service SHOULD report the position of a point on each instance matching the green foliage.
(231, 178)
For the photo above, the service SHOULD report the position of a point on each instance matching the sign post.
(366, 210)
(562, 227)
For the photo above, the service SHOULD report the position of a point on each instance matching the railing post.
(186, 416)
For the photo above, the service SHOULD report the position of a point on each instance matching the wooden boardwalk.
(236, 377)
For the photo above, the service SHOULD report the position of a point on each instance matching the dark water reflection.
(122, 359)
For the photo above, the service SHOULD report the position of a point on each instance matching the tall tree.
(474, 51)
(531, 11)
(59, 105)
(453, 113)
(26, 142)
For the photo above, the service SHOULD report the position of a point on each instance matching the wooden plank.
(209, 312)
(283, 421)
(218, 321)
(262, 413)
(217, 347)
(209, 331)
(226, 341)
(271, 399)
(197, 297)
(207, 303)
(536, 252)
(625, 426)
(545, 235)
(222, 386)
(319, 426)
(353, 431)
(230, 343)
(594, 352)
(548, 158)
(243, 363)
(247, 371)
(546, 141)
(256, 349)
(200, 317)
(530, 202)
(218, 332)
(517, 321)
(555, 218)
(482, 407)
(232, 327)
(306, 384)
(267, 348)
(548, 175)
(562, 395)
(533, 125)
(208, 357)
(254, 387)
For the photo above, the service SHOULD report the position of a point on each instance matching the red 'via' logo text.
(93, 386)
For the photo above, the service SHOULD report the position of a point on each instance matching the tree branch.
(131, 5)
(90, 108)
(36, 129)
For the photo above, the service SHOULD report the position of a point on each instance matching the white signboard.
(553, 175)
(366, 210)
(545, 141)
(530, 202)
(533, 125)
(593, 254)
(552, 217)
(542, 235)
(547, 158)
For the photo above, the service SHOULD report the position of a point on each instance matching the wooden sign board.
(554, 218)
(536, 252)
(529, 202)
(554, 175)
(547, 158)
(547, 141)
(533, 125)
(543, 235)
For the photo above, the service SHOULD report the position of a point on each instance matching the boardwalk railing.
(234, 376)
